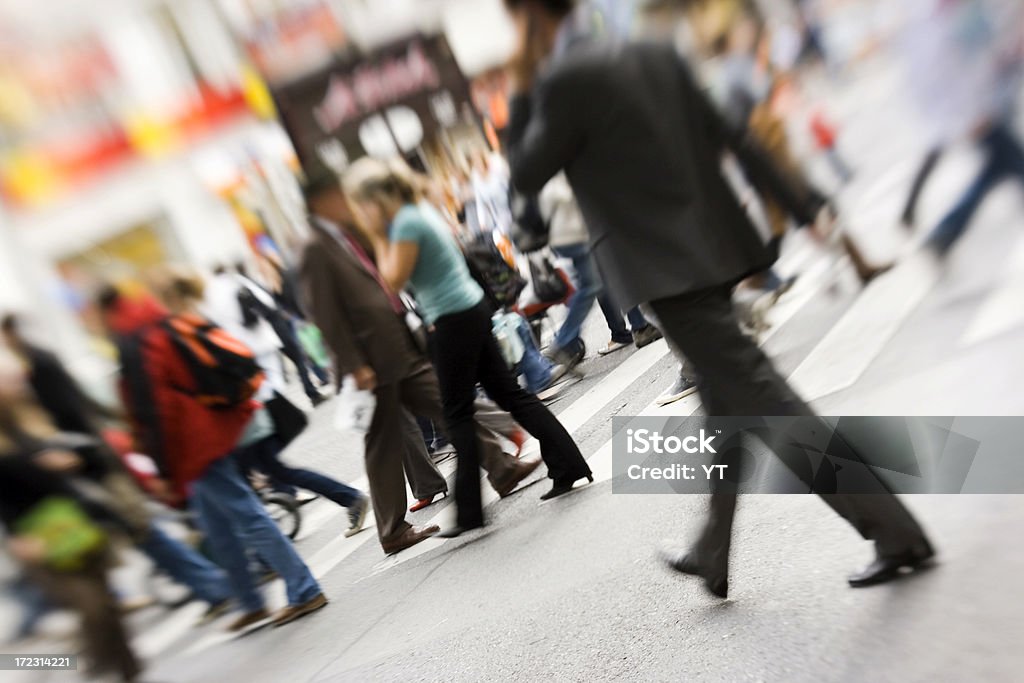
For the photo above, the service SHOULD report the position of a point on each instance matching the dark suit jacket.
(352, 311)
(642, 149)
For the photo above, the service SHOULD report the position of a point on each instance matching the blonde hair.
(370, 179)
(178, 286)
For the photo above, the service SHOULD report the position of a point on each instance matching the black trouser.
(736, 378)
(464, 353)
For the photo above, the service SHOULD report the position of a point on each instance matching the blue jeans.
(533, 365)
(1004, 157)
(613, 316)
(587, 288)
(236, 524)
(186, 566)
(264, 456)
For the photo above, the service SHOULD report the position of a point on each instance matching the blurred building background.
(137, 132)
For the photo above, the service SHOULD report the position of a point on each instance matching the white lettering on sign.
(374, 86)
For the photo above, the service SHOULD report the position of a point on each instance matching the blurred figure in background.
(62, 549)
(188, 388)
(687, 251)
(964, 65)
(363, 323)
(247, 312)
(251, 314)
(66, 404)
(568, 238)
(412, 250)
(69, 405)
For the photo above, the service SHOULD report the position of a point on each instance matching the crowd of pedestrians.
(632, 203)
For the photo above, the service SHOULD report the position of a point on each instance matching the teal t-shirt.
(440, 280)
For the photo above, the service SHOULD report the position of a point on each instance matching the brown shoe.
(288, 614)
(409, 538)
(523, 469)
(248, 619)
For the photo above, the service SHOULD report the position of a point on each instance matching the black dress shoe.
(562, 487)
(888, 568)
(717, 583)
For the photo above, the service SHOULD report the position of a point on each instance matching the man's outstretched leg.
(737, 379)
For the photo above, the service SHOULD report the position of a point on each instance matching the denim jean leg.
(1003, 156)
(186, 566)
(613, 317)
(266, 453)
(636, 319)
(587, 289)
(533, 365)
(257, 531)
(224, 543)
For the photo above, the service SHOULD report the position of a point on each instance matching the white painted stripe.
(1003, 309)
(577, 414)
(861, 334)
(169, 630)
(321, 512)
(809, 285)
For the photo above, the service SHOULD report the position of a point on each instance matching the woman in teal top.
(416, 251)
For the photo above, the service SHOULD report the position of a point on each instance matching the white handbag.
(356, 407)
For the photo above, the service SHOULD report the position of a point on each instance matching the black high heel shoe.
(562, 487)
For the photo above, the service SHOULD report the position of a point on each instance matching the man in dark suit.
(642, 148)
(363, 325)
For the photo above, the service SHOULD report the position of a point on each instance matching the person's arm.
(327, 309)
(543, 135)
(395, 260)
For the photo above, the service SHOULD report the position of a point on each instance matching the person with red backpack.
(189, 390)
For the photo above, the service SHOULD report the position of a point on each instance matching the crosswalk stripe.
(1003, 310)
(861, 334)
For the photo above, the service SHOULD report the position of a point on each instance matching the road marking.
(611, 385)
(861, 334)
(810, 284)
(1003, 309)
(156, 640)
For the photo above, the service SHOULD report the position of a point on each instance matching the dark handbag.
(549, 285)
(289, 420)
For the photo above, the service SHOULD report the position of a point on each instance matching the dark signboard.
(384, 98)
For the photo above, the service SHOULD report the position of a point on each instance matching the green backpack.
(69, 535)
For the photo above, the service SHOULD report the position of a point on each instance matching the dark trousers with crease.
(736, 378)
(464, 353)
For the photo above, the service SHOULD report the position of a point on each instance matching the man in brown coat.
(363, 325)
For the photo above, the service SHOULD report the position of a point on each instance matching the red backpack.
(225, 371)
